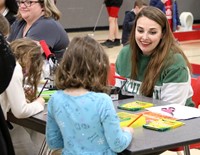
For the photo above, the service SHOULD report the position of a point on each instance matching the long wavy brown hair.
(167, 45)
(29, 56)
(84, 64)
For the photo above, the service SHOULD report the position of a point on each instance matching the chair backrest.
(111, 78)
(196, 88)
(195, 68)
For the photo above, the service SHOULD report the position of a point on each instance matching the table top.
(144, 140)
(150, 141)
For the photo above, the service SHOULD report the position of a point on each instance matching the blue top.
(127, 25)
(158, 4)
(46, 29)
(161, 6)
(85, 124)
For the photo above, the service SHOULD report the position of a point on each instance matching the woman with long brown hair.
(153, 62)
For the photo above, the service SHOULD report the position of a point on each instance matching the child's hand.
(41, 100)
(28, 91)
(129, 129)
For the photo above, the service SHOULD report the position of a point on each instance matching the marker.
(134, 120)
(124, 119)
(43, 88)
(120, 77)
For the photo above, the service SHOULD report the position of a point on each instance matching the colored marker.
(124, 119)
(43, 88)
(135, 120)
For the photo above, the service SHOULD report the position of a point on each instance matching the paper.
(177, 111)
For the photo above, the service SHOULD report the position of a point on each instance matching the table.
(149, 141)
(145, 140)
(36, 122)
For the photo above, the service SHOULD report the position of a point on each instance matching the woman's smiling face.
(30, 10)
(148, 34)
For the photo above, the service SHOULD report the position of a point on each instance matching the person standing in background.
(158, 4)
(38, 20)
(161, 4)
(113, 7)
(8, 9)
(129, 19)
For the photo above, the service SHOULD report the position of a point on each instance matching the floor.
(190, 48)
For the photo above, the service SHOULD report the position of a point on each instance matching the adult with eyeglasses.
(38, 20)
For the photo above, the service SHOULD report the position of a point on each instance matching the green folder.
(46, 94)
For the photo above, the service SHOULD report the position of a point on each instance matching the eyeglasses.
(27, 3)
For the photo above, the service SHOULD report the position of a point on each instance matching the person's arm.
(123, 62)
(118, 139)
(16, 97)
(130, 25)
(53, 135)
(177, 83)
(128, 21)
(7, 64)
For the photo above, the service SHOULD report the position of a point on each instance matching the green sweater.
(173, 84)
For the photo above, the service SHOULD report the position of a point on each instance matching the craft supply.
(135, 105)
(163, 124)
(131, 120)
(135, 120)
(43, 88)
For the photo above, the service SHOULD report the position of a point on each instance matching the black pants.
(6, 145)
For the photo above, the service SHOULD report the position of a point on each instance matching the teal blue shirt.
(84, 125)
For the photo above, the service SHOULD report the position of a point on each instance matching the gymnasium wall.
(80, 14)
